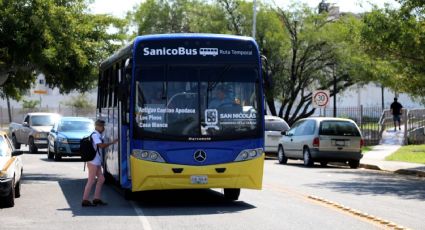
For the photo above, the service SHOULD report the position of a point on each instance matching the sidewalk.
(391, 142)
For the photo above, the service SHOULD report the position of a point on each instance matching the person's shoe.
(99, 202)
(87, 203)
(399, 128)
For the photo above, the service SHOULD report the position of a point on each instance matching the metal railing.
(415, 126)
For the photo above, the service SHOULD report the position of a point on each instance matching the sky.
(119, 8)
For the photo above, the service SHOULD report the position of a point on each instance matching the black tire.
(323, 163)
(16, 145)
(32, 147)
(9, 200)
(57, 156)
(308, 161)
(354, 164)
(232, 193)
(281, 155)
(128, 194)
(18, 189)
(50, 154)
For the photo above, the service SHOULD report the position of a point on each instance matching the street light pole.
(254, 18)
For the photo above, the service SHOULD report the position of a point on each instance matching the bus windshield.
(197, 103)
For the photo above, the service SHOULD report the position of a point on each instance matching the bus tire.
(232, 193)
(128, 194)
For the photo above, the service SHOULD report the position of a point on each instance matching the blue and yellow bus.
(188, 111)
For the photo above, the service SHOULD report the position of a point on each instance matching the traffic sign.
(320, 98)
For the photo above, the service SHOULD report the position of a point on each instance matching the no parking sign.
(320, 98)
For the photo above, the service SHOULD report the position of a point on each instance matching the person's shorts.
(396, 118)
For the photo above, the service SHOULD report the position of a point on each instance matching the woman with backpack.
(95, 166)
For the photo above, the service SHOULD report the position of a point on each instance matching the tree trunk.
(8, 109)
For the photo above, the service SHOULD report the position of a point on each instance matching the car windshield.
(43, 120)
(76, 126)
(197, 102)
(4, 148)
(338, 128)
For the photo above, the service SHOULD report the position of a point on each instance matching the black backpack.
(86, 148)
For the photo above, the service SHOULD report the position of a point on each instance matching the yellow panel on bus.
(146, 175)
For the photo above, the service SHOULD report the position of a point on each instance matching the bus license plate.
(199, 179)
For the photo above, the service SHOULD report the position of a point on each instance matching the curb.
(410, 172)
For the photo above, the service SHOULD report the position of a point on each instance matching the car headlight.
(62, 140)
(40, 135)
(147, 155)
(249, 154)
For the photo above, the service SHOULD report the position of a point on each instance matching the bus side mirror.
(123, 85)
(268, 81)
(122, 91)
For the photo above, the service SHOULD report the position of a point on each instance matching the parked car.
(322, 140)
(33, 131)
(64, 138)
(11, 172)
(273, 132)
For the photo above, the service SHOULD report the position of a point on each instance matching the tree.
(397, 37)
(299, 45)
(30, 104)
(56, 37)
(80, 104)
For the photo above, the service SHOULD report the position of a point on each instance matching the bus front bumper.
(146, 175)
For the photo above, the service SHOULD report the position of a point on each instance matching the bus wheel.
(232, 193)
(128, 194)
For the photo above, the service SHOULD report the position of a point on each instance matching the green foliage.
(299, 44)
(396, 39)
(30, 104)
(59, 38)
(79, 102)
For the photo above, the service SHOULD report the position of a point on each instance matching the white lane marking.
(145, 223)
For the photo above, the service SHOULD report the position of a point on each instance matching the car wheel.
(18, 189)
(354, 164)
(232, 193)
(281, 155)
(57, 156)
(9, 200)
(323, 163)
(16, 145)
(50, 154)
(308, 161)
(32, 147)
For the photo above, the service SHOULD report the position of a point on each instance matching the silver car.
(322, 139)
(273, 132)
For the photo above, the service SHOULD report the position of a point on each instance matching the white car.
(11, 172)
(273, 132)
(322, 139)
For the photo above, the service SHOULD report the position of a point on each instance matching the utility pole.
(254, 19)
(333, 72)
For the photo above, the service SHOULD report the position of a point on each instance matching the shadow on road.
(153, 203)
(365, 182)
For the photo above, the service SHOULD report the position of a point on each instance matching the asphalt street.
(52, 191)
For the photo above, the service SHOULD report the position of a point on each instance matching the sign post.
(320, 99)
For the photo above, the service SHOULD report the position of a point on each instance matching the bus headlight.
(249, 154)
(147, 155)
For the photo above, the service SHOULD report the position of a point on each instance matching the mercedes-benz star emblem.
(200, 156)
